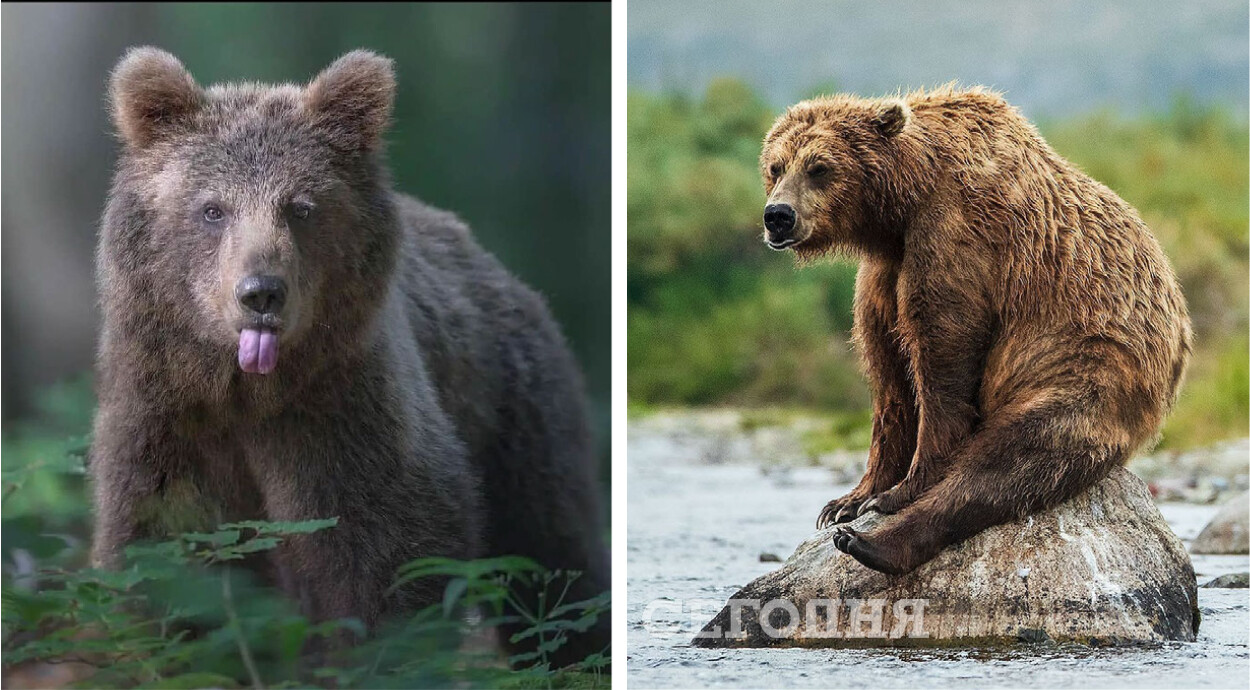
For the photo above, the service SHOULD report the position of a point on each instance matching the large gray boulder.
(1229, 531)
(1101, 569)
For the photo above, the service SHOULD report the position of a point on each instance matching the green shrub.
(183, 613)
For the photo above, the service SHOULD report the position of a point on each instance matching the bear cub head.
(826, 164)
(247, 215)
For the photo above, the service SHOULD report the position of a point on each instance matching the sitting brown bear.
(1021, 328)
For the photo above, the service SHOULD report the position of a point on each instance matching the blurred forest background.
(1149, 98)
(502, 116)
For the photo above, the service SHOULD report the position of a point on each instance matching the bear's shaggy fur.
(1021, 328)
(421, 393)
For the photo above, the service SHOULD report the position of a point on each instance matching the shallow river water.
(696, 535)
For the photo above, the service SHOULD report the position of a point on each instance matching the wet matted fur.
(1021, 327)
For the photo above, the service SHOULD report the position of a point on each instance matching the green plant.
(183, 614)
(189, 612)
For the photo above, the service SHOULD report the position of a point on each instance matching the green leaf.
(598, 604)
(158, 551)
(451, 596)
(221, 538)
(28, 609)
(254, 545)
(292, 634)
(476, 571)
(263, 527)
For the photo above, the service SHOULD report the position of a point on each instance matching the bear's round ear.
(352, 99)
(150, 93)
(892, 117)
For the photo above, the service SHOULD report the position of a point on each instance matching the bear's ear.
(150, 93)
(352, 99)
(892, 117)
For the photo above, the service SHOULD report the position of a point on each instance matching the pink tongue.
(258, 350)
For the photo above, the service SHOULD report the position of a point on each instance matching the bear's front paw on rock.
(842, 509)
(888, 502)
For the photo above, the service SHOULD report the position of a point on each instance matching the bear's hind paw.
(853, 544)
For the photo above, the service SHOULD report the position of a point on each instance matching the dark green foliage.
(187, 613)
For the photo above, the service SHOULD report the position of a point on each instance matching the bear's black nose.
(779, 218)
(261, 294)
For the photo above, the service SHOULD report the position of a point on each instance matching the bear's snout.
(779, 220)
(261, 294)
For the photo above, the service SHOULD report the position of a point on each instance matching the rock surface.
(1103, 568)
(1229, 531)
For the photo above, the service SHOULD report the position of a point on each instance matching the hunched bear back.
(1021, 328)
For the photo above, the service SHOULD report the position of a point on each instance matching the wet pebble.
(1231, 581)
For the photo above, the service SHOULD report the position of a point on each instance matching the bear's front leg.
(134, 457)
(397, 492)
(945, 326)
(894, 416)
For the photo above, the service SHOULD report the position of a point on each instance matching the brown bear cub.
(287, 338)
(1021, 328)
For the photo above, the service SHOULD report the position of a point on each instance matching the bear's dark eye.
(300, 210)
(214, 214)
(776, 169)
(817, 169)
